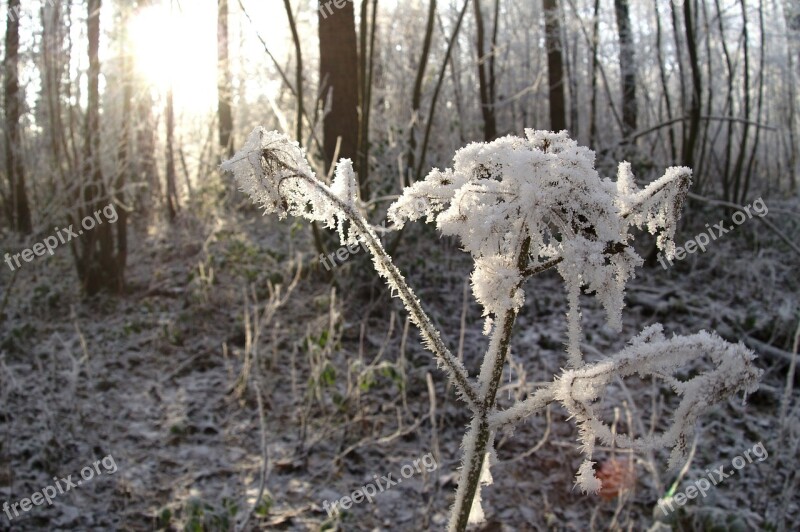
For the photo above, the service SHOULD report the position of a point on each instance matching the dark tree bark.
(700, 172)
(673, 10)
(147, 171)
(555, 66)
(690, 141)
(486, 80)
(100, 266)
(738, 168)
(123, 151)
(225, 92)
(172, 191)
(17, 207)
(627, 67)
(366, 71)
(339, 78)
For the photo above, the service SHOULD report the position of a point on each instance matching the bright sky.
(175, 43)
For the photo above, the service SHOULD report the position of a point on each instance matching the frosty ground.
(170, 379)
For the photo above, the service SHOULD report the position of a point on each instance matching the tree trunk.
(338, 62)
(123, 152)
(225, 92)
(147, 168)
(761, 69)
(664, 85)
(172, 191)
(726, 169)
(673, 11)
(485, 80)
(17, 208)
(739, 166)
(690, 141)
(555, 67)
(595, 61)
(792, 21)
(627, 67)
(298, 71)
(416, 94)
(54, 64)
(99, 266)
(365, 98)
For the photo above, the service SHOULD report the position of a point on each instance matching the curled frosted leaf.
(586, 479)
(344, 187)
(272, 169)
(652, 355)
(496, 284)
(658, 206)
(345, 184)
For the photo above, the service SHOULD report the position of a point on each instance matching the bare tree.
(416, 94)
(690, 140)
(738, 168)
(225, 92)
(664, 84)
(486, 70)
(791, 15)
(172, 191)
(555, 66)
(365, 97)
(595, 43)
(100, 264)
(17, 206)
(298, 50)
(676, 27)
(627, 67)
(338, 62)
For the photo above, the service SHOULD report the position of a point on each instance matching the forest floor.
(231, 365)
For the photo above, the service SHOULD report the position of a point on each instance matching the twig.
(539, 444)
(283, 76)
(772, 352)
(787, 392)
(396, 280)
(763, 219)
(683, 471)
(265, 460)
(637, 134)
(7, 294)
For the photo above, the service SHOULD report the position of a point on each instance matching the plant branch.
(387, 269)
(479, 432)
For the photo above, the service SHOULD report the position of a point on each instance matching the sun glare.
(177, 47)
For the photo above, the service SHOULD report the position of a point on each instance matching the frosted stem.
(386, 268)
(477, 438)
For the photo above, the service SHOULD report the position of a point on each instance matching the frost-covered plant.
(521, 206)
